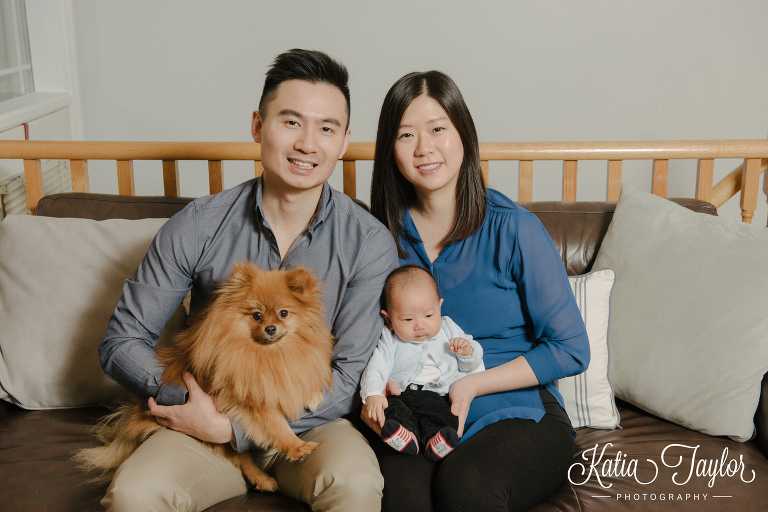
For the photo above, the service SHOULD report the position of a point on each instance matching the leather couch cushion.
(643, 438)
(108, 206)
(578, 227)
(36, 473)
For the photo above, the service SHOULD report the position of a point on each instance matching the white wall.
(530, 71)
(48, 127)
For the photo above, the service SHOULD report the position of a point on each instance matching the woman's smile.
(427, 169)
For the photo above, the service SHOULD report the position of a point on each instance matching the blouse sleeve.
(561, 347)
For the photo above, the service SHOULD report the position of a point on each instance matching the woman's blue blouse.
(506, 286)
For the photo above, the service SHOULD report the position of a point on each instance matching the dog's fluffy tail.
(121, 432)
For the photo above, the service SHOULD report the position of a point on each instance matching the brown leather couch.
(36, 474)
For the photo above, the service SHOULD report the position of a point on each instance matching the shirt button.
(440, 363)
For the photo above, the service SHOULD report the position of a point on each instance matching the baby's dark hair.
(411, 275)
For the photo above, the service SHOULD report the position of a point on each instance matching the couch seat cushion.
(37, 474)
(643, 437)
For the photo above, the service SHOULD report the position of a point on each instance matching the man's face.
(302, 136)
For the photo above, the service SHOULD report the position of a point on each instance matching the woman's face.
(428, 148)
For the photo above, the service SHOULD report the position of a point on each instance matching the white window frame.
(20, 68)
(52, 47)
(51, 41)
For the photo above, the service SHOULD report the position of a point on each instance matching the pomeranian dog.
(261, 349)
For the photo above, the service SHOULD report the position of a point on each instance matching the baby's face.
(413, 313)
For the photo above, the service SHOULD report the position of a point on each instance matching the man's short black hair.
(310, 65)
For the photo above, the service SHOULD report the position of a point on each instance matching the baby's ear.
(386, 319)
(301, 281)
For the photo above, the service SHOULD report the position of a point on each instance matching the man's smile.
(302, 164)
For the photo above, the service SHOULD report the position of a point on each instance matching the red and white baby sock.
(441, 444)
(399, 438)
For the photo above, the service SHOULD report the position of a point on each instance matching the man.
(289, 216)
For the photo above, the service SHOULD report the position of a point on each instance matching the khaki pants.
(172, 471)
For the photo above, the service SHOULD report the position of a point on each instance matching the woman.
(503, 282)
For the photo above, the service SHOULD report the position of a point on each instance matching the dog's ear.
(242, 272)
(301, 281)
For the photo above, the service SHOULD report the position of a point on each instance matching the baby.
(423, 356)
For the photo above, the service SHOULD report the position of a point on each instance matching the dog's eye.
(257, 316)
(283, 313)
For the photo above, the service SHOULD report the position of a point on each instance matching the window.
(15, 61)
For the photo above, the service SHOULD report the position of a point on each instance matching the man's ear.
(256, 124)
(387, 320)
(346, 143)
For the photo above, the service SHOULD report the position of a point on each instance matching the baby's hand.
(461, 346)
(374, 408)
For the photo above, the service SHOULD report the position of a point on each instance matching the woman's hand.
(461, 394)
(391, 388)
(197, 418)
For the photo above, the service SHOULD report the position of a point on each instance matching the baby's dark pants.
(422, 412)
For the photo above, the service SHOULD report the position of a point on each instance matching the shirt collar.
(321, 213)
(323, 207)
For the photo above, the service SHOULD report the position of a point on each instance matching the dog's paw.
(300, 450)
(262, 481)
(268, 484)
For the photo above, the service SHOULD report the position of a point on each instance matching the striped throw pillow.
(588, 397)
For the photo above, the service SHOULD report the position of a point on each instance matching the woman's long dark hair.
(391, 193)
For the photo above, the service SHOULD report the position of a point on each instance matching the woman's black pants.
(510, 465)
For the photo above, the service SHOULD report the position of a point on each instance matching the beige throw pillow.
(689, 313)
(60, 280)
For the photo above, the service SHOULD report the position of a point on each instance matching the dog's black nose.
(271, 330)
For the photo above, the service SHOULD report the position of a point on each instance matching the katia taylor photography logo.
(682, 460)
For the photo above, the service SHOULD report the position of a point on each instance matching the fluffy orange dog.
(261, 349)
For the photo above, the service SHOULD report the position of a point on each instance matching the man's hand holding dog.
(197, 418)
